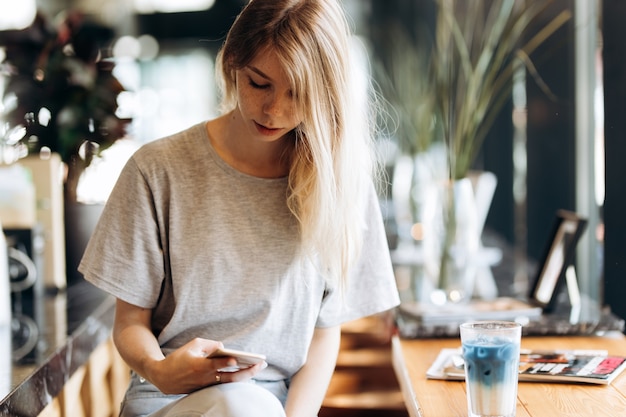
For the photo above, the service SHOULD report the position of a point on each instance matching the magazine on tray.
(575, 366)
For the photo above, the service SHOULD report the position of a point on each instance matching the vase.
(412, 176)
(451, 241)
(80, 222)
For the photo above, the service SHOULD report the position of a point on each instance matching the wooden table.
(435, 398)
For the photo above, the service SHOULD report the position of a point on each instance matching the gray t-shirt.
(213, 252)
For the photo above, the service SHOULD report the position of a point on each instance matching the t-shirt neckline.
(229, 169)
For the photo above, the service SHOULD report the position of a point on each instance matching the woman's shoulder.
(180, 142)
(176, 153)
(183, 147)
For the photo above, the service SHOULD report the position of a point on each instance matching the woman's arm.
(308, 387)
(134, 339)
(184, 370)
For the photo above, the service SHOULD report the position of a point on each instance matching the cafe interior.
(536, 133)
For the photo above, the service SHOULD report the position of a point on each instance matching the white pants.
(235, 399)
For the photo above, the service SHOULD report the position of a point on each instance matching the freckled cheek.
(291, 118)
(249, 102)
(295, 115)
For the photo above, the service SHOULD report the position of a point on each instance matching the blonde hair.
(331, 163)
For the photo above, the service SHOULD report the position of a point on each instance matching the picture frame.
(559, 254)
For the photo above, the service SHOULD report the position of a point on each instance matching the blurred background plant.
(479, 48)
(60, 93)
(405, 84)
(449, 86)
(446, 85)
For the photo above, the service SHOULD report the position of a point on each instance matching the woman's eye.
(256, 85)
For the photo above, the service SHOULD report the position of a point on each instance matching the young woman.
(259, 230)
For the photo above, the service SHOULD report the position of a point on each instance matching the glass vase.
(451, 241)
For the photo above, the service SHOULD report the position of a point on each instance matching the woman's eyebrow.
(259, 72)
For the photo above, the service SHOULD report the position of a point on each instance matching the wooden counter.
(434, 398)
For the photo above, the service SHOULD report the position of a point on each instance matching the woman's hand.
(189, 368)
(185, 370)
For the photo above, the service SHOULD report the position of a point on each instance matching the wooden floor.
(364, 384)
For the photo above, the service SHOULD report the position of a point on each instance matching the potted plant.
(451, 101)
(60, 97)
(478, 49)
(60, 93)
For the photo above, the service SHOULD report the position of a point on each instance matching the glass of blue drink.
(491, 351)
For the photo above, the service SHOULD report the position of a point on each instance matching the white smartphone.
(244, 359)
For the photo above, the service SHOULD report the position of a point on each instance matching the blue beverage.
(491, 371)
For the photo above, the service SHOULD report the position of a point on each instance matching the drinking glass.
(491, 351)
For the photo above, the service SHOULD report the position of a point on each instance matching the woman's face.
(265, 98)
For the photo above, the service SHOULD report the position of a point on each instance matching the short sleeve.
(124, 255)
(371, 286)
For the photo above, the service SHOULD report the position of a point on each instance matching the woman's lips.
(266, 131)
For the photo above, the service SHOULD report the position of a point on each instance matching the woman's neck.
(239, 150)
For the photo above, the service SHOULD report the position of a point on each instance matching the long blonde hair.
(331, 164)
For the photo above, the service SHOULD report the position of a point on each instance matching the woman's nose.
(275, 104)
